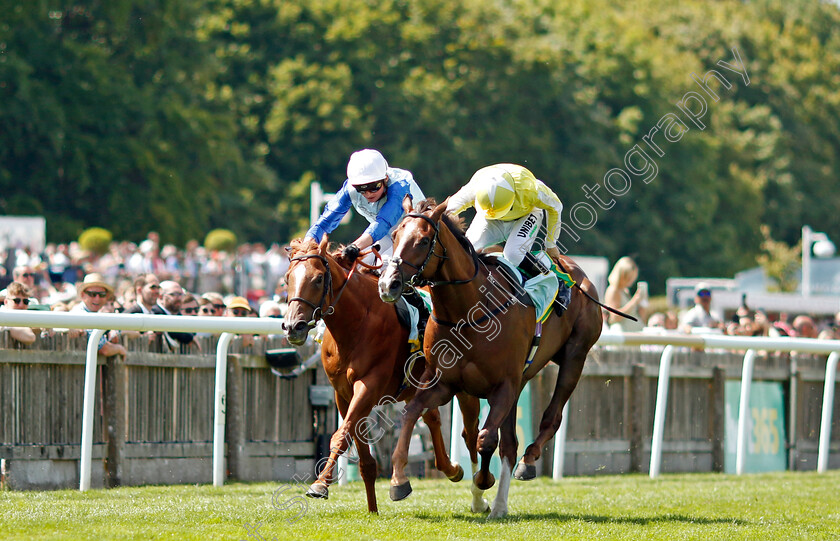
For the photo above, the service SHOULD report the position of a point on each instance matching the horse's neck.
(456, 300)
(349, 312)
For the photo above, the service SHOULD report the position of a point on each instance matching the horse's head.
(415, 239)
(309, 284)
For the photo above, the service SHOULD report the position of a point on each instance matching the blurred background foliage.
(189, 115)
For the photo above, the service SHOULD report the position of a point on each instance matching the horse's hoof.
(480, 507)
(484, 482)
(318, 490)
(525, 472)
(400, 492)
(458, 474)
(497, 514)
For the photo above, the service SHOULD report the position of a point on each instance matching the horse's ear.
(439, 210)
(407, 205)
(322, 247)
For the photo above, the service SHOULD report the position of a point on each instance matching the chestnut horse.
(364, 352)
(478, 339)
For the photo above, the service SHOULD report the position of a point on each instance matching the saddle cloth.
(542, 289)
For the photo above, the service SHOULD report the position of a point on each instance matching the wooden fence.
(611, 411)
(155, 413)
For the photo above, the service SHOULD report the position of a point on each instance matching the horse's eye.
(424, 241)
(320, 279)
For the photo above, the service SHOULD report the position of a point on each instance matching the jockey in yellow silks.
(515, 208)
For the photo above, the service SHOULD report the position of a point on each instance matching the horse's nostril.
(300, 326)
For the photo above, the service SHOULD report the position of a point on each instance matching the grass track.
(629, 507)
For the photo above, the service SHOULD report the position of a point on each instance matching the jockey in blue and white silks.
(376, 191)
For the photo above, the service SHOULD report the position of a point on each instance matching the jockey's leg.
(525, 248)
(527, 235)
(413, 298)
(483, 233)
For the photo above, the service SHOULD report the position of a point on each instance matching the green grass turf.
(781, 506)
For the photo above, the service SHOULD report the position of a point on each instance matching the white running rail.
(142, 322)
(227, 326)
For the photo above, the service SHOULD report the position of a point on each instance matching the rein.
(417, 280)
(472, 324)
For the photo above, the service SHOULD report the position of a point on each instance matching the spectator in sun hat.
(700, 315)
(94, 293)
(239, 307)
(211, 304)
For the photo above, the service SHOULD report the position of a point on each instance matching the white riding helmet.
(366, 166)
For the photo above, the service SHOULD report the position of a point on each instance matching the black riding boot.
(531, 266)
(413, 298)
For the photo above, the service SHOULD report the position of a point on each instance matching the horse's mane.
(302, 246)
(308, 245)
(455, 224)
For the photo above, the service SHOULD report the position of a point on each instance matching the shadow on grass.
(563, 517)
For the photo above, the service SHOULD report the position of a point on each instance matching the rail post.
(87, 408)
(219, 415)
(661, 411)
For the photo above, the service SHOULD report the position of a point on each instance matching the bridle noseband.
(318, 311)
(416, 279)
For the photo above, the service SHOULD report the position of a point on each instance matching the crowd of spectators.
(744, 321)
(145, 278)
(149, 278)
(253, 271)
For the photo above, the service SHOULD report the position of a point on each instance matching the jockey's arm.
(548, 201)
(389, 215)
(335, 210)
(462, 199)
(363, 241)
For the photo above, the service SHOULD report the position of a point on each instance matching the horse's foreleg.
(470, 409)
(452, 470)
(571, 367)
(430, 397)
(369, 470)
(359, 408)
(501, 402)
(507, 451)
